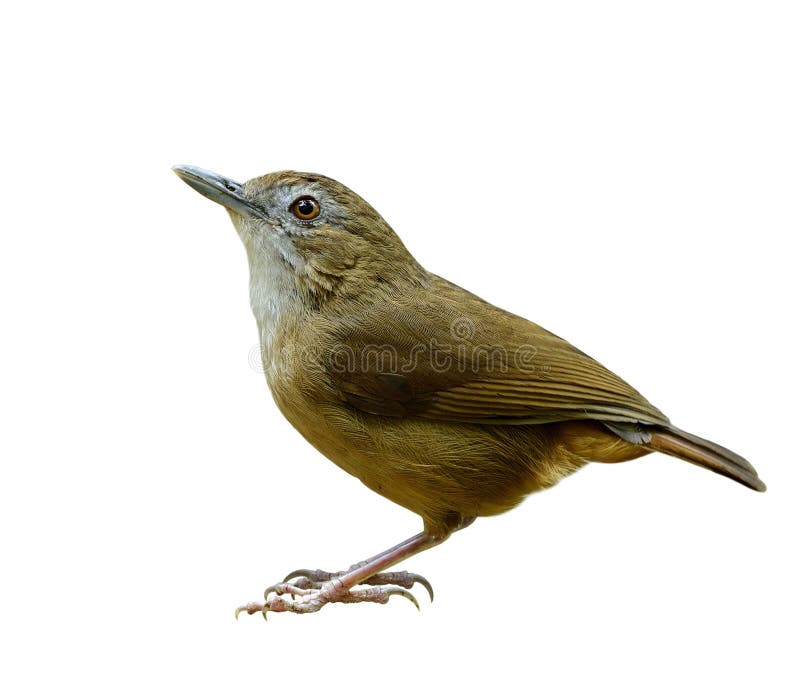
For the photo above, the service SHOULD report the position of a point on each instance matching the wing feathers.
(558, 383)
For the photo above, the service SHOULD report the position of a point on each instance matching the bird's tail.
(677, 443)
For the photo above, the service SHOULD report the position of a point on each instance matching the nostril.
(230, 187)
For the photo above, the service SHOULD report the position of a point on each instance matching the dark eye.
(306, 208)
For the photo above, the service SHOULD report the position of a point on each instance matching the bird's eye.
(306, 208)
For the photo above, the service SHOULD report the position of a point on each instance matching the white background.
(625, 174)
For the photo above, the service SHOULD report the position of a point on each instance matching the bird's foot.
(314, 578)
(312, 589)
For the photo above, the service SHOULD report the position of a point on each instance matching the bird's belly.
(444, 472)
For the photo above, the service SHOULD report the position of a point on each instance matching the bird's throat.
(275, 301)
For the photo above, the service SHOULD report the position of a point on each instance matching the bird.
(432, 397)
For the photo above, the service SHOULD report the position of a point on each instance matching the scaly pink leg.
(317, 588)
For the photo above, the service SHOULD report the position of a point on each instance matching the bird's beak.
(219, 189)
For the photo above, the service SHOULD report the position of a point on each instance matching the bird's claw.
(396, 591)
(312, 574)
(313, 578)
(312, 598)
(250, 609)
(404, 579)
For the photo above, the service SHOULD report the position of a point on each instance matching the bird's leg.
(317, 588)
(314, 578)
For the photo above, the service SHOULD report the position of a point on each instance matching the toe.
(312, 574)
(250, 609)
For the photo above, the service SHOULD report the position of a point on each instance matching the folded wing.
(446, 355)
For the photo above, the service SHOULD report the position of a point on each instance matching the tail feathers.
(677, 443)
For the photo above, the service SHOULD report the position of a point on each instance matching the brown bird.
(432, 397)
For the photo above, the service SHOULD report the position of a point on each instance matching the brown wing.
(446, 355)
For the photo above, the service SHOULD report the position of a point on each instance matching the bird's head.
(307, 234)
